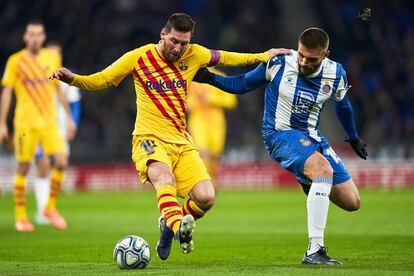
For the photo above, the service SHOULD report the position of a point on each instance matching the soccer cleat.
(163, 246)
(185, 234)
(24, 225)
(55, 219)
(41, 220)
(319, 258)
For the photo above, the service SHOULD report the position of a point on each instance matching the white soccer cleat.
(185, 234)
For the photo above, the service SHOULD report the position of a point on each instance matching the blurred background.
(376, 53)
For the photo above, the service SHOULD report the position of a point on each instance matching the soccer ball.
(132, 252)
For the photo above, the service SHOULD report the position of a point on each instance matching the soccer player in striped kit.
(162, 148)
(297, 87)
(41, 184)
(35, 120)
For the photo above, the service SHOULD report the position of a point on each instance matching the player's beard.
(308, 70)
(171, 57)
(168, 55)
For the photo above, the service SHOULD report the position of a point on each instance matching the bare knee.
(353, 205)
(60, 162)
(23, 168)
(204, 195)
(205, 201)
(160, 174)
(346, 196)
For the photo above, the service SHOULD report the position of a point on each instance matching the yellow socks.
(190, 207)
(169, 207)
(56, 178)
(19, 194)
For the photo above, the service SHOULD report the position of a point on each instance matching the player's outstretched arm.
(239, 59)
(234, 85)
(91, 82)
(111, 75)
(345, 115)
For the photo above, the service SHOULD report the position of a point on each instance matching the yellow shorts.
(183, 160)
(27, 140)
(207, 136)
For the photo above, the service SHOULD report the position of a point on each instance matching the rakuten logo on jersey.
(165, 86)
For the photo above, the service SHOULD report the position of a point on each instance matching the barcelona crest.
(183, 65)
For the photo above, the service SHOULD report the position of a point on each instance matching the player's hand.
(203, 75)
(279, 51)
(4, 133)
(359, 146)
(63, 74)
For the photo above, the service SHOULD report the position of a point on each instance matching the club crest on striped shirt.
(326, 88)
(148, 146)
(305, 142)
(183, 65)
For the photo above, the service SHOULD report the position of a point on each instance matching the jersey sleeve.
(9, 76)
(343, 85)
(240, 59)
(206, 57)
(273, 66)
(345, 114)
(111, 75)
(213, 57)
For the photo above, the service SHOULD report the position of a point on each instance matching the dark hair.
(181, 22)
(314, 38)
(35, 21)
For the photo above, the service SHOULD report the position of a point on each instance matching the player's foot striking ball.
(163, 247)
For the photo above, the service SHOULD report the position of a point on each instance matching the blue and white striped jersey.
(293, 101)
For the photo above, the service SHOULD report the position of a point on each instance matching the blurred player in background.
(35, 119)
(207, 121)
(163, 150)
(42, 182)
(297, 87)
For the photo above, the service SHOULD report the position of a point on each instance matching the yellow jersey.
(162, 86)
(206, 118)
(28, 75)
(206, 102)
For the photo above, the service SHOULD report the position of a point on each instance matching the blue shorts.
(291, 148)
(39, 153)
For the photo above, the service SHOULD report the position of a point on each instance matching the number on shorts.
(332, 153)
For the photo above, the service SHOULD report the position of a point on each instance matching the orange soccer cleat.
(23, 225)
(56, 219)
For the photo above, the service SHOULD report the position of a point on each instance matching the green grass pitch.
(250, 232)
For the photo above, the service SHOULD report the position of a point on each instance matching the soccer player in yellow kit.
(207, 121)
(35, 119)
(162, 148)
